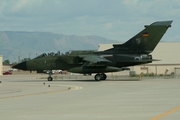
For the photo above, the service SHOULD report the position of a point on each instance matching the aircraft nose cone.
(21, 66)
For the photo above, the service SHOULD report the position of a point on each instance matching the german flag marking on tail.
(145, 34)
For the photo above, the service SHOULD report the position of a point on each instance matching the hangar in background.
(166, 52)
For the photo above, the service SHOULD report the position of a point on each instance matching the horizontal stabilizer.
(139, 61)
(124, 68)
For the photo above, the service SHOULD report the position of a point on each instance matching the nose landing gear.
(49, 77)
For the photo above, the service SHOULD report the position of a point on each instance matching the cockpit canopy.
(49, 54)
(69, 53)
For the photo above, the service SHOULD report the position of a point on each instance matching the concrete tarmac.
(26, 97)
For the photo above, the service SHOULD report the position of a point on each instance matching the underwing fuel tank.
(95, 69)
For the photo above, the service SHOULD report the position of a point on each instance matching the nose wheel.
(49, 77)
(100, 76)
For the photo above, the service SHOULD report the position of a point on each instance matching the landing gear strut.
(100, 76)
(49, 77)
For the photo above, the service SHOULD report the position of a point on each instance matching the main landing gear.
(100, 76)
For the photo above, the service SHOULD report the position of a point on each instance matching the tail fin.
(147, 39)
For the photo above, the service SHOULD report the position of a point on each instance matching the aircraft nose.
(21, 66)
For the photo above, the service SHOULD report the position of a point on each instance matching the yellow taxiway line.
(165, 113)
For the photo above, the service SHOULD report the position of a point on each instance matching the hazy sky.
(113, 19)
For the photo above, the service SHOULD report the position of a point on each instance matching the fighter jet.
(135, 51)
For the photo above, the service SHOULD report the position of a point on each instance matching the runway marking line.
(165, 113)
(48, 92)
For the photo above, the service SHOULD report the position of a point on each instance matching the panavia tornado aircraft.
(135, 51)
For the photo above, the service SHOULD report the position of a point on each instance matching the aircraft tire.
(50, 78)
(103, 76)
(97, 77)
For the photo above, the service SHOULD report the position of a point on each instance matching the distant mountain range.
(31, 44)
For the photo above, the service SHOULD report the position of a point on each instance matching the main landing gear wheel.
(103, 76)
(97, 77)
(100, 76)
